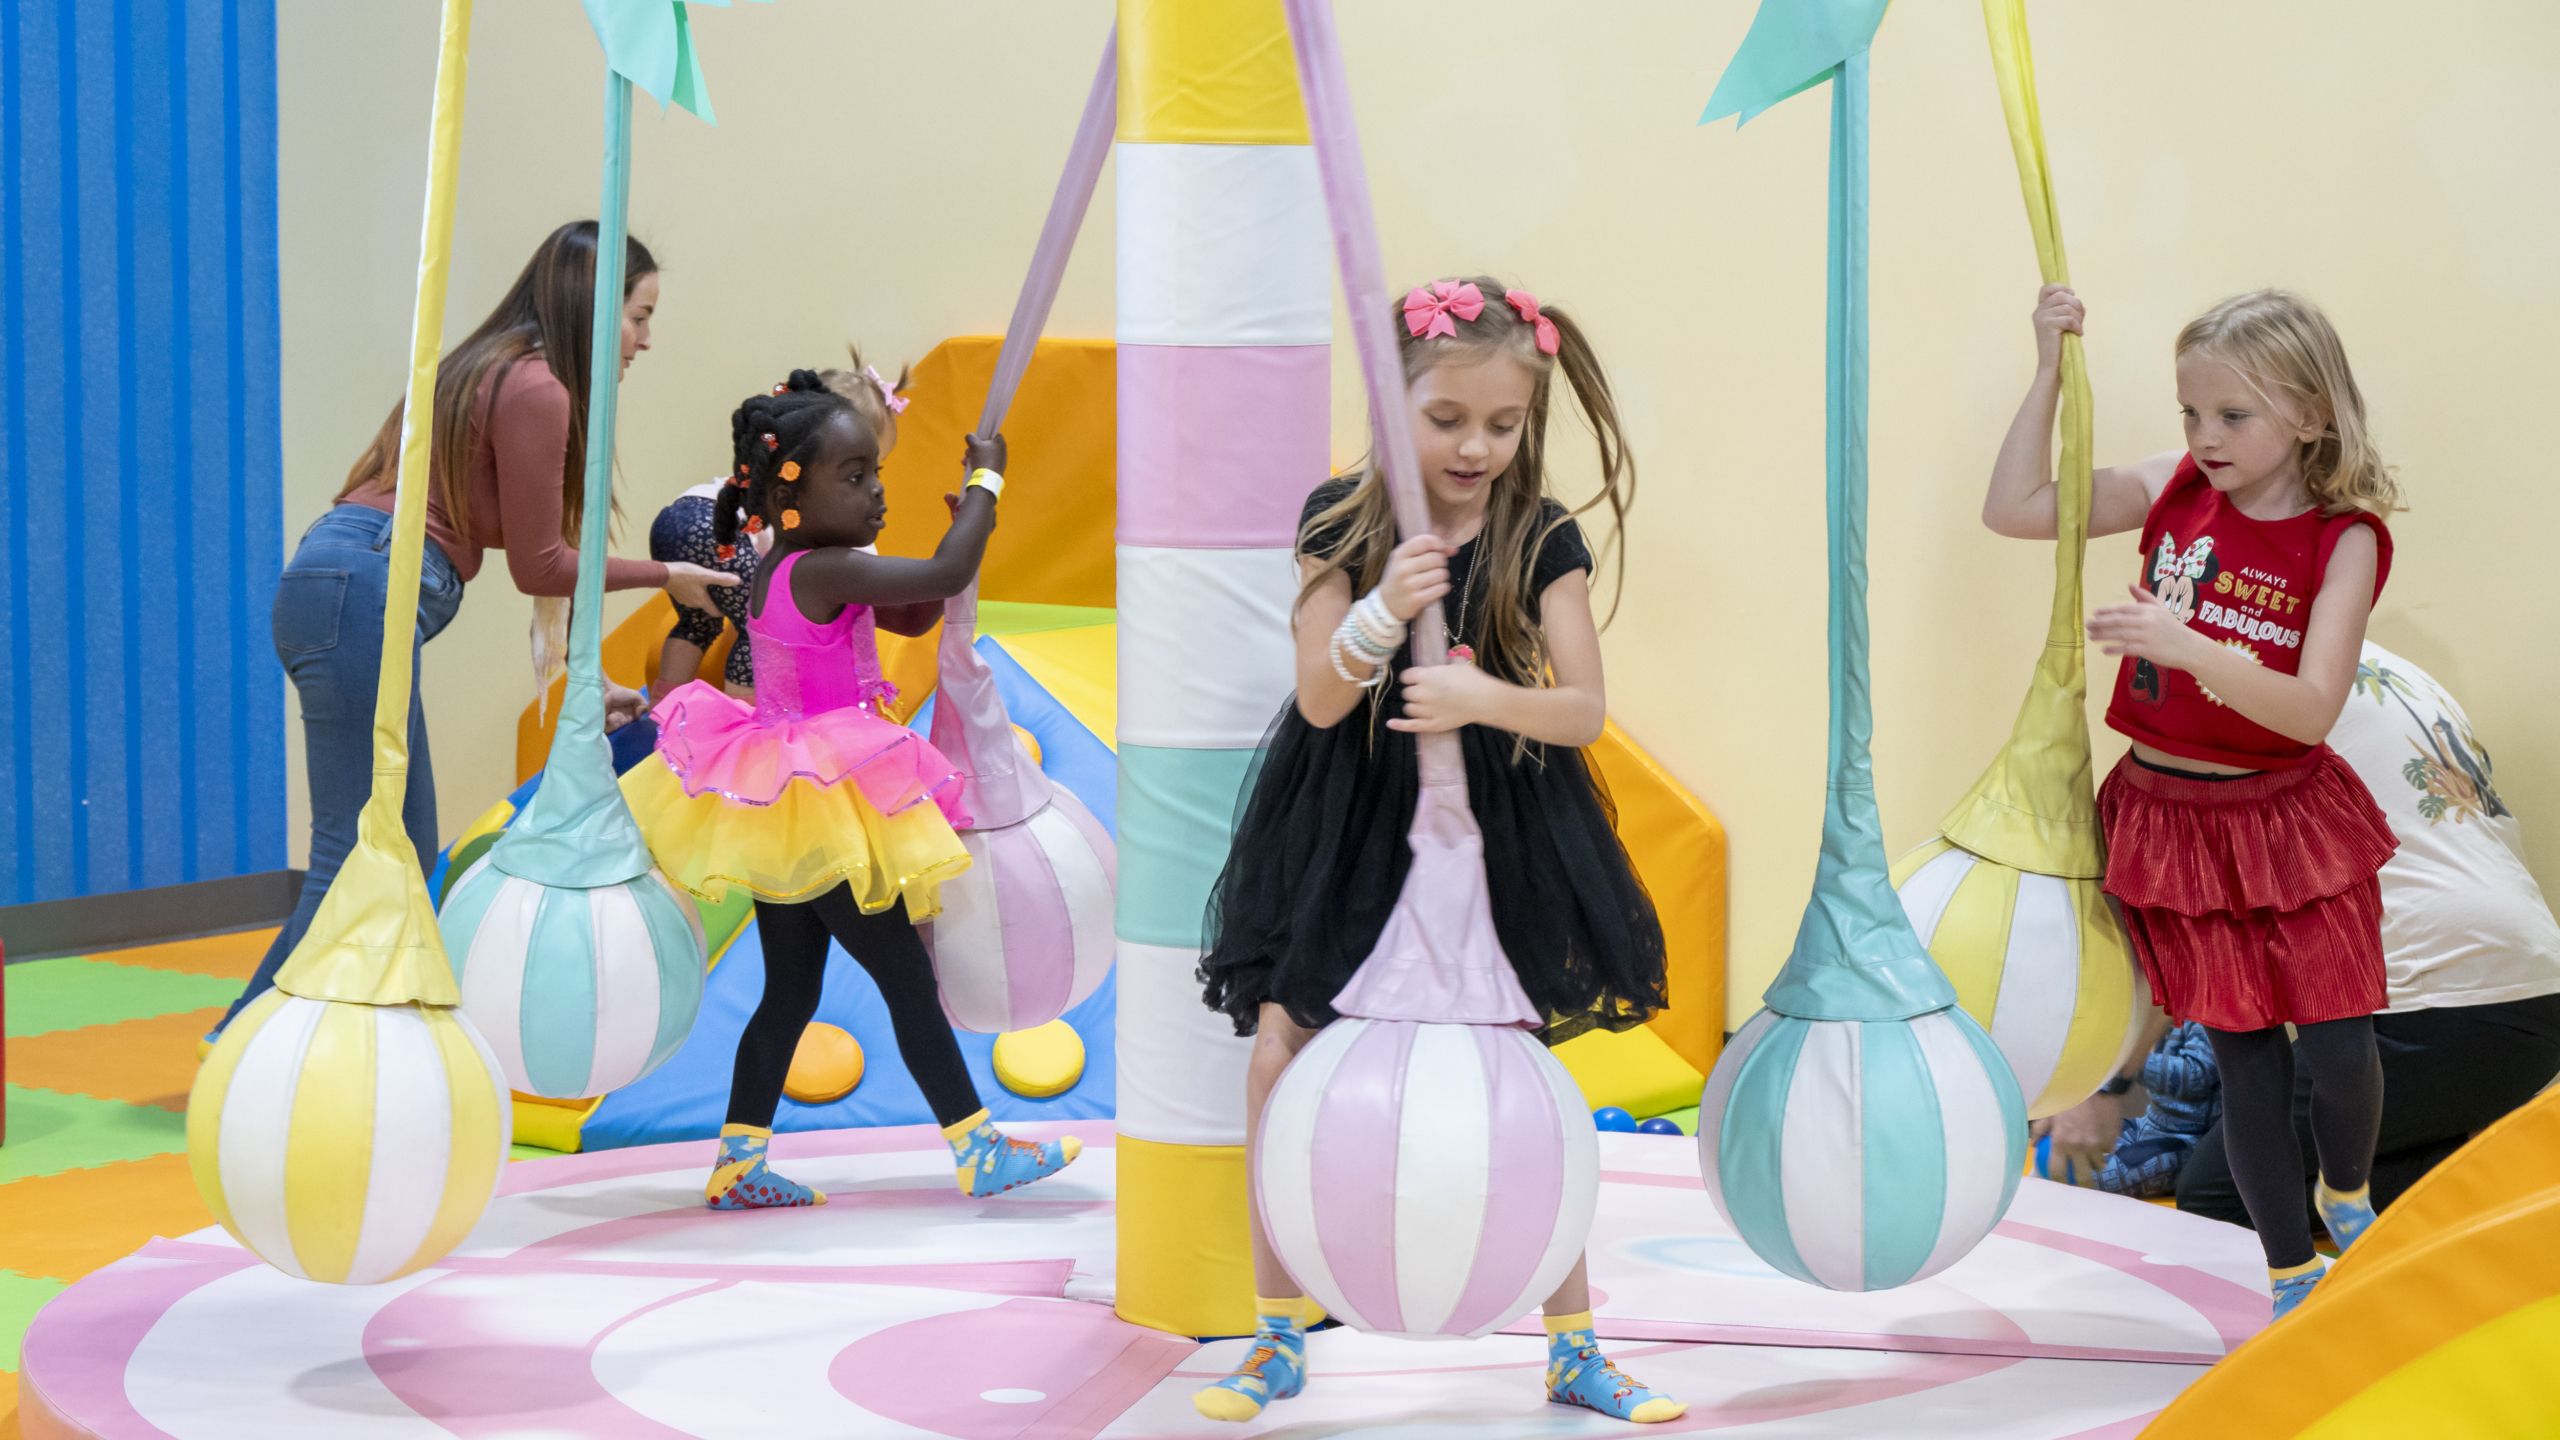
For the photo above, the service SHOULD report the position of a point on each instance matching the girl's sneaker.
(2291, 1286)
(990, 1162)
(1274, 1369)
(740, 1181)
(1578, 1374)
(2347, 1216)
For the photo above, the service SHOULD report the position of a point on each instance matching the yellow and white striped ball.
(2039, 961)
(348, 1143)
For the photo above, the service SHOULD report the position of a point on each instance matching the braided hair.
(769, 437)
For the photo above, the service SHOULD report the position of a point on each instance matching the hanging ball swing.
(1424, 1167)
(1025, 932)
(347, 1143)
(2007, 898)
(1861, 1131)
(578, 960)
(349, 1125)
(1429, 1181)
(2039, 960)
(579, 991)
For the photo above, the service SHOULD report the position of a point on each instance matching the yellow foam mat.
(1635, 1070)
(1080, 668)
(151, 1061)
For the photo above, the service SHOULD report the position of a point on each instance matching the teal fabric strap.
(576, 831)
(1856, 956)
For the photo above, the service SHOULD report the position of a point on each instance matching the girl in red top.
(2244, 850)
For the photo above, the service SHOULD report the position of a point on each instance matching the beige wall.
(881, 171)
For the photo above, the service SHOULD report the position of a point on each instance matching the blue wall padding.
(687, 1098)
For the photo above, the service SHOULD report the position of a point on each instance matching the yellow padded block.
(1635, 1070)
(1678, 849)
(1042, 1061)
(1080, 668)
(1208, 72)
(1185, 1255)
(552, 1124)
(825, 1066)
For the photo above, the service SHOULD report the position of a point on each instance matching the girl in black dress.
(1320, 851)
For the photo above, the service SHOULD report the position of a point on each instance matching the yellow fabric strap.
(2036, 808)
(955, 1133)
(1567, 1324)
(374, 940)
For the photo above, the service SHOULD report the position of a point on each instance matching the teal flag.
(1792, 46)
(650, 43)
(1856, 956)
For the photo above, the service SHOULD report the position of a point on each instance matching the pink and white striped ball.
(1025, 932)
(1426, 1181)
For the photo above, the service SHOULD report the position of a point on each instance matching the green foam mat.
(48, 995)
(51, 1132)
(1014, 617)
(21, 1296)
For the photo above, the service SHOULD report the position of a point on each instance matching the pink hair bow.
(896, 402)
(1527, 305)
(1427, 311)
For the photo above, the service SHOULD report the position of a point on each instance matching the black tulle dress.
(1319, 852)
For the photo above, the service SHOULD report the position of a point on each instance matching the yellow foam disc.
(1040, 1062)
(825, 1067)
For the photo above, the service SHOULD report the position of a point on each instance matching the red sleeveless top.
(2247, 584)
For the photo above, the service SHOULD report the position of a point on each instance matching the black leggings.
(2257, 1120)
(795, 970)
(2447, 1074)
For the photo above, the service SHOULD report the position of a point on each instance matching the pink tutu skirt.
(790, 808)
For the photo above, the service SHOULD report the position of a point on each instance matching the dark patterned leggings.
(795, 971)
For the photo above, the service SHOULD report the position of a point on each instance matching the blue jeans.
(328, 634)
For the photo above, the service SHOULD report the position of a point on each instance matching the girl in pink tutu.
(832, 815)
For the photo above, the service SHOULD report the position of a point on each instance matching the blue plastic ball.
(1611, 1117)
(1659, 1126)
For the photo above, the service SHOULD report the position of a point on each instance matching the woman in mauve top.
(506, 472)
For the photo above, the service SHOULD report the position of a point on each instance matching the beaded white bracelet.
(1347, 637)
(1379, 623)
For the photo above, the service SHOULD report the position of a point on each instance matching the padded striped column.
(1225, 327)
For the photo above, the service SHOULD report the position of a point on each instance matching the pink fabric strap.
(1439, 958)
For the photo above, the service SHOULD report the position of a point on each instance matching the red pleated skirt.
(2254, 901)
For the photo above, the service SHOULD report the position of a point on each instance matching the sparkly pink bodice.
(805, 669)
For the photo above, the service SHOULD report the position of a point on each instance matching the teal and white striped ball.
(1861, 1155)
(579, 992)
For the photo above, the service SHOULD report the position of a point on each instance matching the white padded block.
(1181, 1064)
(1206, 659)
(1223, 245)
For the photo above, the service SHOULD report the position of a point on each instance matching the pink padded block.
(1219, 444)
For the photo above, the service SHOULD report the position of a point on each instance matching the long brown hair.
(549, 311)
(1360, 531)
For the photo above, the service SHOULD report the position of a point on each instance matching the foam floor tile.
(50, 1132)
(21, 1296)
(151, 1061)
(65, 1225)
(233, 957)
(47, 995)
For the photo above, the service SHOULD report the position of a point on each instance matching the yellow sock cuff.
(764, 1132)
(955, 1133)
(1293, 1307)
(2290, 1271)
(2362, 1194)
(1561, 1324)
